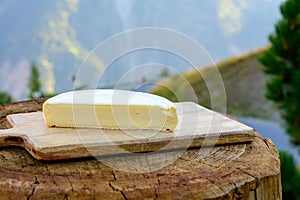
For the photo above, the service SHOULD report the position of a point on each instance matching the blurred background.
(58, 35)
(43, 44)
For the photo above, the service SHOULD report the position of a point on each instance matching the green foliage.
(282, 62)
(5, 98)
(34, 82)
(290, 177)
(35, 90)
(164, 73)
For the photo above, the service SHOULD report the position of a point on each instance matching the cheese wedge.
(112, 109)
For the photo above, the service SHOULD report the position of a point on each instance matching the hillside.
(244, 84)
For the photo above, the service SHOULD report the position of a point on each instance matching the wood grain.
(22, 107)
(197, 126)
(237, 171)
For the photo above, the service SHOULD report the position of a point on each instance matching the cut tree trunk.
(240, 171)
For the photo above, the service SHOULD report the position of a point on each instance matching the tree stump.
(240, 171)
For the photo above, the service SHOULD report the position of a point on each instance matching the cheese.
(112, 109)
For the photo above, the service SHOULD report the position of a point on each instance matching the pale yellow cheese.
(113, 109)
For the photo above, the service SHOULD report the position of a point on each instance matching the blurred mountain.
(59, 34)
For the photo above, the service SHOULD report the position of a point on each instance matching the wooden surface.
(197, 126)
(238, 171)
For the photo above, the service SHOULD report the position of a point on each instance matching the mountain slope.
(244, 84)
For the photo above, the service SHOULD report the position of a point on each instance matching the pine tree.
(290, 176)
(34, 82)
(5, 98)
(282, 62)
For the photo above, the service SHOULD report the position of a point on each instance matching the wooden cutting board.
(197, 126)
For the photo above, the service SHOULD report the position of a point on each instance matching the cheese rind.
(104, 108)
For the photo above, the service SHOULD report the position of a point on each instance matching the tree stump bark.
(240, 171)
